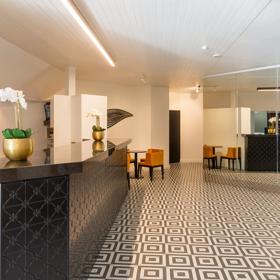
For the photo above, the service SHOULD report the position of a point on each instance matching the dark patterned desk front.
(262, 153)
(34, 229)
(52, 227)
(96, 196)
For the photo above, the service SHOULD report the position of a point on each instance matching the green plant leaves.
(28, 132)
(7, 133)
(98, 128)
(16, 133)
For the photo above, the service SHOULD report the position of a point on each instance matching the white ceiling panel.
(161, 39)
(258, 46)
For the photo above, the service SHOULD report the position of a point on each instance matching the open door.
(174, 136)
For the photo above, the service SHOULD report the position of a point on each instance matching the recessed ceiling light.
(204, 47)
(217, 55)
(85, 27)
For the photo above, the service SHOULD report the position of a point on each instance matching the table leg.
(136, 165)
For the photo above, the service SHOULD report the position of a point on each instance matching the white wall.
(149, 126)
(81, 105)
(160, 120)
(256, 101)
(32, 118)
(134, 99)
(61, 106)
(217, 100)
(191, 107)
(220, 128)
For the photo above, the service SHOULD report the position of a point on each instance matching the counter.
(262, 153)
(57, 207)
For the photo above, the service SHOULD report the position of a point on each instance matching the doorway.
(174, 136)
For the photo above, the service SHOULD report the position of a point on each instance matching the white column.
(70, 81)
(160, 120)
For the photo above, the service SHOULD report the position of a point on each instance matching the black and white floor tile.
(195, 224)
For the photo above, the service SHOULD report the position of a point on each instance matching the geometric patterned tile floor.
(196, 224)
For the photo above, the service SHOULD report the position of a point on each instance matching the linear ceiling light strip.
(268, 89)
(242, 71)
(69, 5)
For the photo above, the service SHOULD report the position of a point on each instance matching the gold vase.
(18, 149)
(98, 135)
(98, 146)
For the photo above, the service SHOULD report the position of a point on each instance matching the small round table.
(136, 152)
(214, 152)
(216, 147)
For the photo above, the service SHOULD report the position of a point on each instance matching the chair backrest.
(234, 152)
(155, 156)
(128, 160)
(207, 151)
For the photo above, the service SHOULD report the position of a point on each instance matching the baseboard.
(166, 166)
(194, 160)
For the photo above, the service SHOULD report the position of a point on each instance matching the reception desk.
(57, 207)
(262, 153)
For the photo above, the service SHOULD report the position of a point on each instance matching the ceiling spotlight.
(217, 55)
(143, 79)
(197, 88)
(204, 47)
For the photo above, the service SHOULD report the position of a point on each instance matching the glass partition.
(220, 97)
(241, 111)
(257, 102)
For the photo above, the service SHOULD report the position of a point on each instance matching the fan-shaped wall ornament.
(114, 116)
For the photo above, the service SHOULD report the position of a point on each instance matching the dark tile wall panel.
(95, 198)
(34, 229)
(262, 153)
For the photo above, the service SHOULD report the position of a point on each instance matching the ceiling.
(157, 38)
(243, 83)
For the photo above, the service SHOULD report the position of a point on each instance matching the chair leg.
(162, 172)
(233, 161)
(128, 180)
(221, 162)
(139, 171)
(213, 163)
(209, 167)
(240, 164)
(228, 163)
(151, 173)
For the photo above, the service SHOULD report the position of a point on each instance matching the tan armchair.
(154, 158)
(233, 154)
(209, 156)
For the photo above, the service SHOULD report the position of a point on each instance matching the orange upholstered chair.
(154, 158)
(210, 156)
(233, 154)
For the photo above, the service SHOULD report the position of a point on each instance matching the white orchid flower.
(9, 94)
(272, 119)
(95, 114)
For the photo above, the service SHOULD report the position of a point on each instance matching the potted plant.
(98, 132)
(17, 144)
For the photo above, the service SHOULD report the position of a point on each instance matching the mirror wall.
(241, 111)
